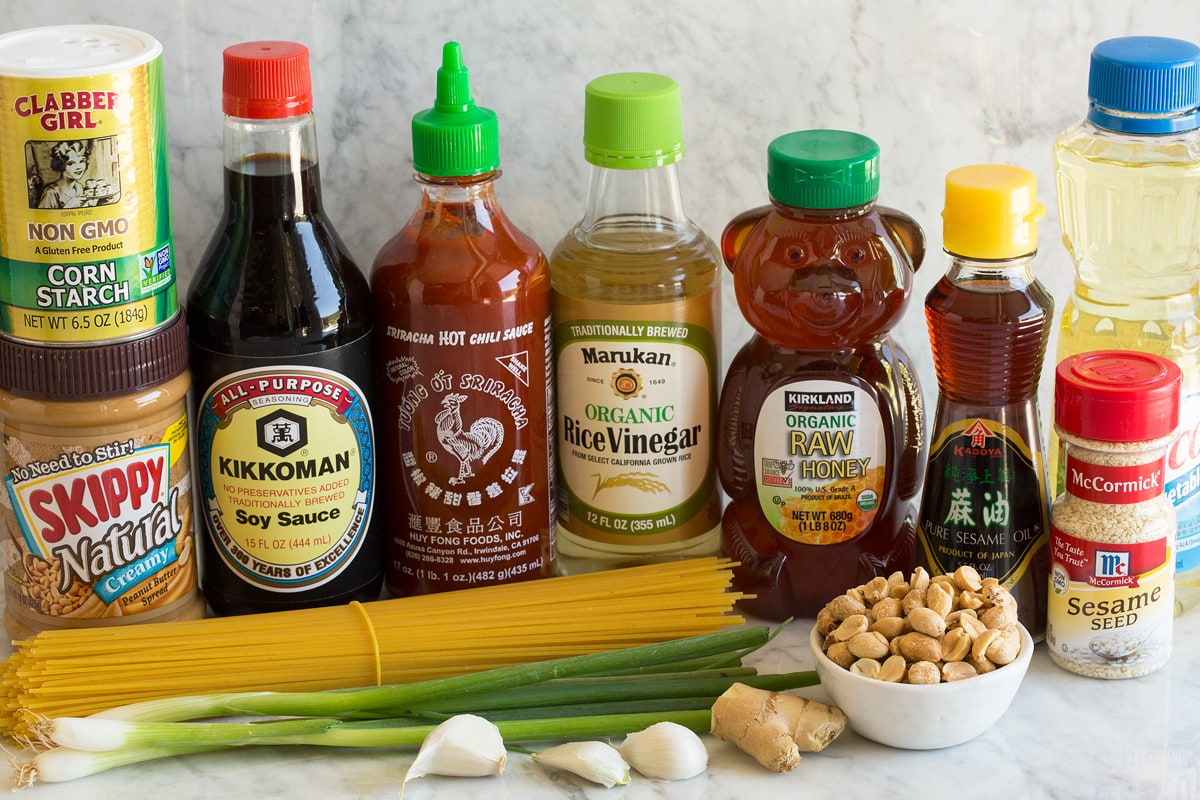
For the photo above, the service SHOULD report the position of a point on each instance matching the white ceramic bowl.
(921, 717)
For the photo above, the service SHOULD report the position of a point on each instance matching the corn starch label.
(84, 201)
(636, 424)
(287, 474)
(820, 461)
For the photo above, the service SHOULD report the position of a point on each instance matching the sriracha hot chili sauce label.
(636, 423)
(287, 474)
(820, 458)
(85, 217)
(470, 439)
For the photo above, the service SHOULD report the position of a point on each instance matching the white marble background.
(938, 84)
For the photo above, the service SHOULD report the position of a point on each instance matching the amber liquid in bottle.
(278, 288)
(985, 499)
(466, 425)
(822, 290)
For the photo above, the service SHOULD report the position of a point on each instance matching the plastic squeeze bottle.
(637, 333)
(1129, 201)
(985, 503)
(465, 428)
(280, 323)
(821, 419)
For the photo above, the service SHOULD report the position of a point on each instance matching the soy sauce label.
(820, 461)
(985, 506)
(85, 215)
(287, 474)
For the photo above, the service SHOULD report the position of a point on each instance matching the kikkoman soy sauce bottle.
(636, 335)
(280, 322)
(466, 429)
(821, 426)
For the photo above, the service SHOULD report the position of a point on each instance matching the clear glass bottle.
(636, 298)
(466, 428)
(280, 323)
(1129, 197)
(985, 503)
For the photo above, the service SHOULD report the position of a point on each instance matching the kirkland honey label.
(636, 421)
(287, 474)
(85, 211)
(820, 461)
(102, 529)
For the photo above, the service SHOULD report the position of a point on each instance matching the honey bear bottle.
(820, 416)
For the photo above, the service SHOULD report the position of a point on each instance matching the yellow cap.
(991, 212)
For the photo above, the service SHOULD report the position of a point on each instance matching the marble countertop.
(1065, 736)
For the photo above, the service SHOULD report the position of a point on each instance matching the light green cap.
(632, 120)
(455, 138)
(823, 169)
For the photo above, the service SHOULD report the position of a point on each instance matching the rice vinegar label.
(820, 460)
(1183, 489)
(85, 215)
(986, 506)
(287, 474)
(636, 426)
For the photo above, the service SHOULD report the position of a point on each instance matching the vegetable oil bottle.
(636, 299)
(1129, 200)
(984, 503)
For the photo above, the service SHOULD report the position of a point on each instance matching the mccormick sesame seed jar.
(1112, 532)
(96, 510)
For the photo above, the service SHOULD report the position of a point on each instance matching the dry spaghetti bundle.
(80, 671)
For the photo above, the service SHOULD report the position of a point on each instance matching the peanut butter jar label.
(85, 214)
(98, 531)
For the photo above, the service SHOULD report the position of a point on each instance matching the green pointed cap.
(823, 169)
(455, 138)
(632, 120)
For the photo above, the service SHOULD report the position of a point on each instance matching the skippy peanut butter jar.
(97, 503)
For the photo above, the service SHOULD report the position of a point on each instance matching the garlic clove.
(464, 746)
(598, 762)
(667, 751)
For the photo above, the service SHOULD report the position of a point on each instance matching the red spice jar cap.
(266, 80)
(1117, 396)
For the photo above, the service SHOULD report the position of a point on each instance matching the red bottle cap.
(1117, 396)
(266, 80)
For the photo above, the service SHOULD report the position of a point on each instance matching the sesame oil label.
(820, 461)
(637, 404)
(286, 458)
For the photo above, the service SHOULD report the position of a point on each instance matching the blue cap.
(1145, 84)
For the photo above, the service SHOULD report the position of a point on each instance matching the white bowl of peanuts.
(922, 663)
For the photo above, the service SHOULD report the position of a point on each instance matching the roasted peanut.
(839, 653)
(893, 669)
(875, 590)
(891, 627)
(869, 644)
(867, 667)
(927, 621)
(967, 577)
(957, 670)
(939, 599)
(887, 607)
(919, 647)
(956, 644)
(851, 626)
(844, 606)
(1005, 648)
(924, 672)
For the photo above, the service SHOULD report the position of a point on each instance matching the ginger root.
(775, 728)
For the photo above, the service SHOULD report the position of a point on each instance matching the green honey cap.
(823, 169)
(455, 138)
(632, 120)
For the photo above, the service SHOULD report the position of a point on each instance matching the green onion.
(342, 702)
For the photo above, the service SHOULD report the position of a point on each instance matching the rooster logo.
(479, 443)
